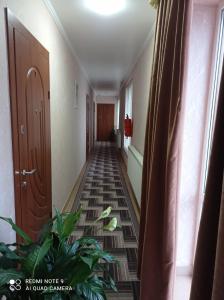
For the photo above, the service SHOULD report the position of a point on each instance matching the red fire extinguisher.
(128, 126)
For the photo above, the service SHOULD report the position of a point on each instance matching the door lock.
(23, 184)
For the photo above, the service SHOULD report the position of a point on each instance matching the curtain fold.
(208, 274)
(160, 169)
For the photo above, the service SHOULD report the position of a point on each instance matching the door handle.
(24, 172)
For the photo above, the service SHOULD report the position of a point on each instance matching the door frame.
(11, 20)
(87, 126)
(103, 100)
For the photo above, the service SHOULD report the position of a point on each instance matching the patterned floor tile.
(102, 186)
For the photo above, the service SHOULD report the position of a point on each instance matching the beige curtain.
(208, 275)
(160, 171)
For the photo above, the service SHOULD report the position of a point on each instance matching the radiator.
(135, 164)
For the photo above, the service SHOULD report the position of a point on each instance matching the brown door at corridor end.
(105, 121)
(30, 112)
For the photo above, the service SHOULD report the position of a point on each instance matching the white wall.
(68, 126)
(141, 77)
(6, 177)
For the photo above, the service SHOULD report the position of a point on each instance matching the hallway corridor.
(103, 185)
(111, 155)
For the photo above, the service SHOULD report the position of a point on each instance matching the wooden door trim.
(11, 22)
(10, 19)
(87, 126)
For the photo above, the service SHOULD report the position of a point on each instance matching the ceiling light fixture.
(106, 7)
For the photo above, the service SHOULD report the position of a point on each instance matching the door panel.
(30, 110)
(105, 121)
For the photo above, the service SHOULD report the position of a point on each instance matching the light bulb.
(105, 7)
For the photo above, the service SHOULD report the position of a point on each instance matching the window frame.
(128, 109)
(213, 98)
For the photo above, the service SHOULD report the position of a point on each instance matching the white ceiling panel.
(107, 46)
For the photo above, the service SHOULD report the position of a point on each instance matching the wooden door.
(87, 126)
(30, 111)
(105, 121)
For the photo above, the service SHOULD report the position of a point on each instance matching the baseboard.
(124, 156)
(129, 187)
(70, 201)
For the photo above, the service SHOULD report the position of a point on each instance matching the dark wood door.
(30, 109)
(105, 121)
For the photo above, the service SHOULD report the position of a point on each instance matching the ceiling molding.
(106, 99)
(106, 93)
(61, 29)
(141, 51)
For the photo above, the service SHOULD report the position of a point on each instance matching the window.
(128, 111)
(214, 95)
(198, 125)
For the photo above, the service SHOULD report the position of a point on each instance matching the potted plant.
(54, 267)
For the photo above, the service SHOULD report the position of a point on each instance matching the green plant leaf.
(64, 224)
(52, 296)
(111, 226)
(6, 293)
(25, 250)
(8, 253)
(98, 254)
(91, 289)
(53, 256)
(58, 223)
(79, 273)
(107, 257)
(73, 248)
(69, 223)
(74, 296)
(109, 283)
(6, 275)
(7, 263)
(46, 230)
(86, 241)
(87, 260)
(104, 214)
(18, 230)
(35, 257)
